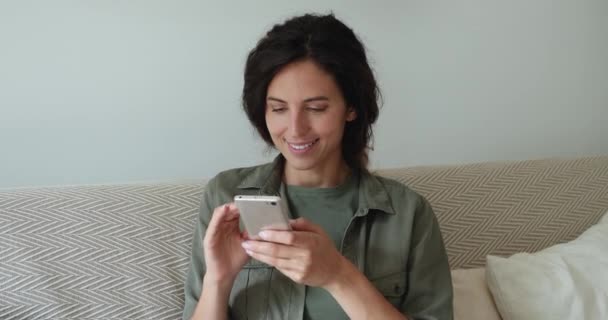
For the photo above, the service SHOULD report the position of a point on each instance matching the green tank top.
(332, 209)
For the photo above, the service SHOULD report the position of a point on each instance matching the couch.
(121, 251)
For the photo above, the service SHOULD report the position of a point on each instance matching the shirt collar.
(373, 195)
(268, 179)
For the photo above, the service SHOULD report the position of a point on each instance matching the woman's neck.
(327, 177)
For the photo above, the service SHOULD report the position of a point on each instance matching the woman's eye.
(317, 109)
(278, 110)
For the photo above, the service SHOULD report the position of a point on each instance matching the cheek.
(273, 126)
(332, 129)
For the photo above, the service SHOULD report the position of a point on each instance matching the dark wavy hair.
(336, 49)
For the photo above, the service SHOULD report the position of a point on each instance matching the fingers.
(279, 263)
(289, 238)
(302, 224)
(245, 235)
(233, 211)
(293, 268)
(274, 250)
(221, 214)
(303, 232)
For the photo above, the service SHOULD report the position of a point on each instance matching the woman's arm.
(213, 303)
(224, 258)
(217, 258)
(307, 256)
(358, 297)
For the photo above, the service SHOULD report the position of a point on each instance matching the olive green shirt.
(393, 238)
(332, 209)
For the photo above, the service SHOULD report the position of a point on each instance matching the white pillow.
(566, 281)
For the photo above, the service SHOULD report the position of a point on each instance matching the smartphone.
(262, 213)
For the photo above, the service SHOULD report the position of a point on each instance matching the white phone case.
(262, 213)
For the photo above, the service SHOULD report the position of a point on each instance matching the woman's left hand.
(306, 255)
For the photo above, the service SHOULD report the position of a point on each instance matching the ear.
(351, 114)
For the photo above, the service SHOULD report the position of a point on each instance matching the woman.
(362, 246)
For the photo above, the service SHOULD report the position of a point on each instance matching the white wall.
(119, 91)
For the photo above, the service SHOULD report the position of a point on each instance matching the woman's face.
(306, 114)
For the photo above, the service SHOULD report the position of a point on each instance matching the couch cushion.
(472, 298)
(566, 281)
(96, 252)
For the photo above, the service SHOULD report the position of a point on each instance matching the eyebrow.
(318, 98)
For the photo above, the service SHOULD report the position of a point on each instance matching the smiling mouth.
(302, 146)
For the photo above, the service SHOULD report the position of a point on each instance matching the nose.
(299, 124)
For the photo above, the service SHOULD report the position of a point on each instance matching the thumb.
(302, 224)
(245, 235)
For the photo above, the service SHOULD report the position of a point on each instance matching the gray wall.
(121, 91)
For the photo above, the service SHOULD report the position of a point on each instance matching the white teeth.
(302, 146)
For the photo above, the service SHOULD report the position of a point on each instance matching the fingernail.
(246, 244)
(263, 234)
(249, 252)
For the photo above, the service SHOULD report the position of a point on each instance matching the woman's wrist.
(219, 283)
(357, 296)
(218, 275)
(344, 276)
(213, 302)
(221, 286)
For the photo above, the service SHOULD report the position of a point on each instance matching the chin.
(300, 164)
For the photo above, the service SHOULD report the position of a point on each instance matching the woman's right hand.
(224, 255)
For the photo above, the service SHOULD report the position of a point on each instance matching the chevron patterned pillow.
(566, 281)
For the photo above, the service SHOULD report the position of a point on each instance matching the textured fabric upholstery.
(121, 251)
(504, 208)
(98, 252)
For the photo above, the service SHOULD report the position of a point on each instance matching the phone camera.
(273, 203)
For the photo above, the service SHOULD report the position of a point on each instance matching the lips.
(301, 147)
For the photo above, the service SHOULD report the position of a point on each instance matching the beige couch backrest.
(121, 251)
(505, 208)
